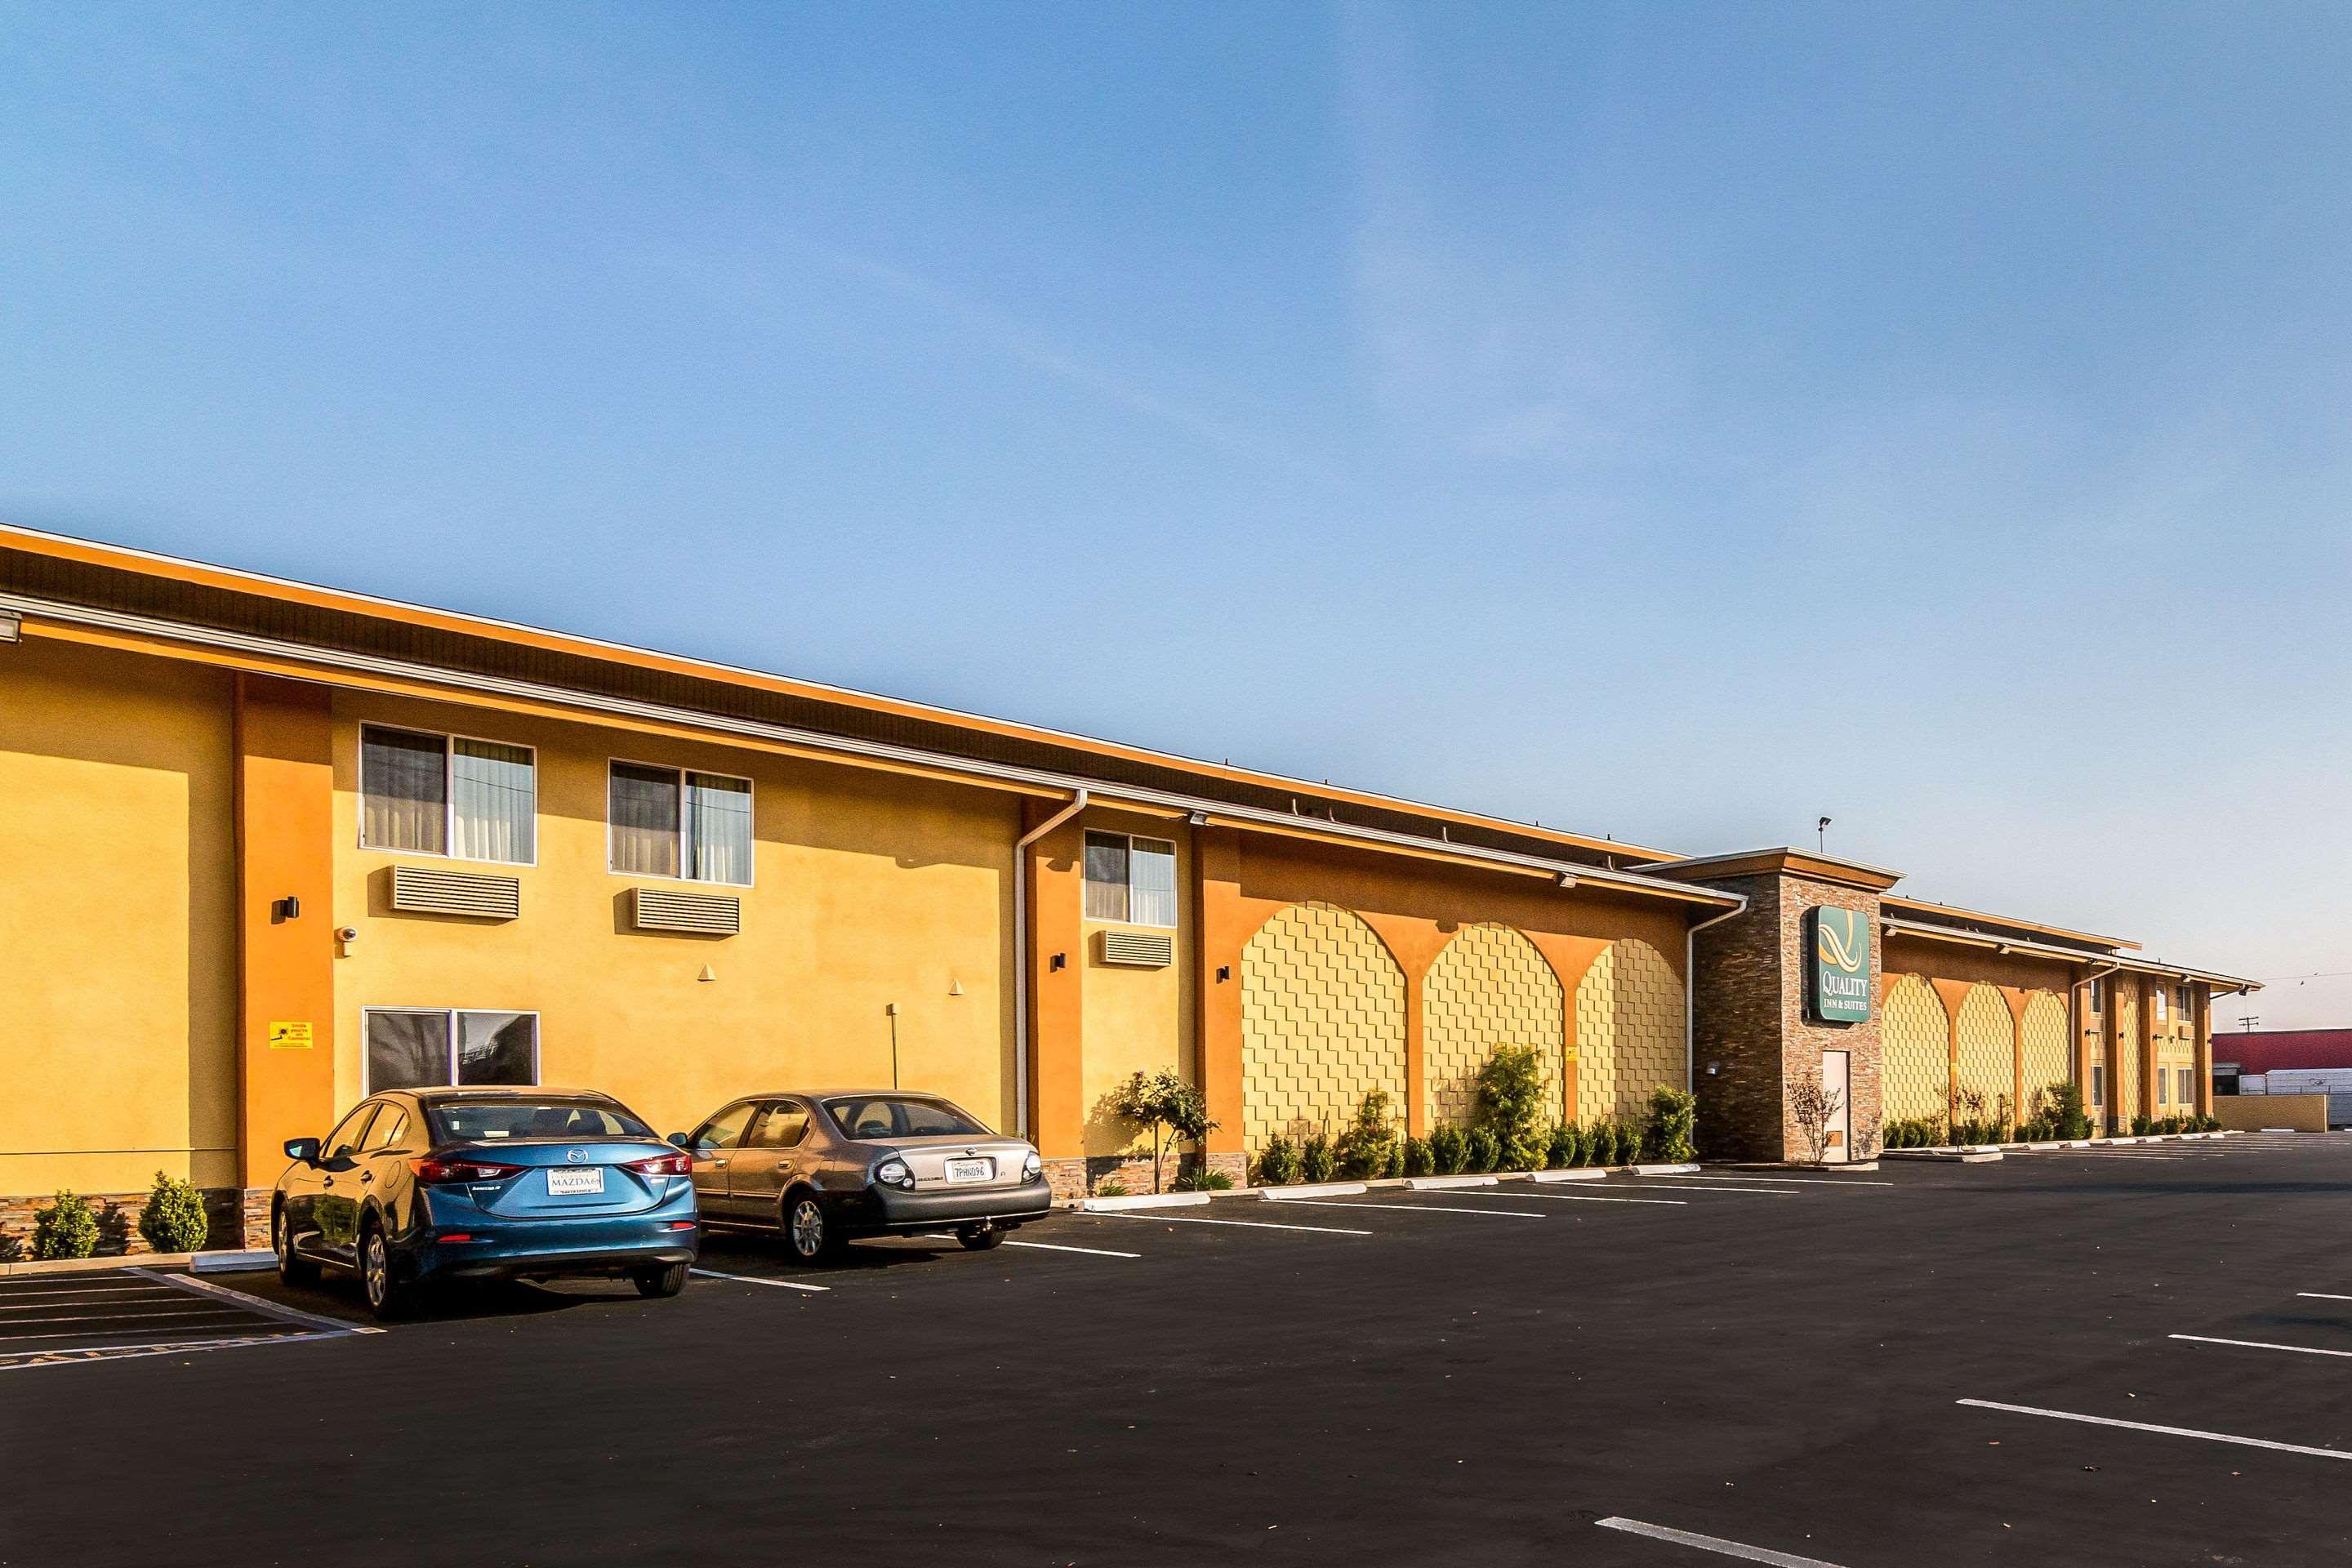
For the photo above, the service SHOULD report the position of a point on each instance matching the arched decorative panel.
(1322, 1023)
(2128, 1102)
(1489, 987)
(1629, 1031)
(2045, 1028)
(1987, 1047)
(1914, 1046)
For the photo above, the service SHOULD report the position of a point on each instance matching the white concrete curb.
(1666, 1170)
(1314, 1190)
(1581, 1173)
(1440, 1183)
(233, 1262)
(1144, 1201)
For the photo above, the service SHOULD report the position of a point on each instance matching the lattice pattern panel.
(2128, 1102)
(1987, 1047)
(1322, 1023)
(1629, 1031)
(1489, 987)
(1914, 1046)
(2044, 1033)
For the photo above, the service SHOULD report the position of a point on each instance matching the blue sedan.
(420, 1186)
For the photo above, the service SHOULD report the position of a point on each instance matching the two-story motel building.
(269, 847)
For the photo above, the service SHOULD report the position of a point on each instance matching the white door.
(1837, 1083)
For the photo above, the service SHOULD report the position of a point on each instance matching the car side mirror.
(304, 1150)
(679, 1139)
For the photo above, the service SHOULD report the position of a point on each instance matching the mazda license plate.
(971, 1170)
(566, 1180)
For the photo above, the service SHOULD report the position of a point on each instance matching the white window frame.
(1132, 840)
(450, 1015)
(449, 740)
(751, 793)
(2163, 995)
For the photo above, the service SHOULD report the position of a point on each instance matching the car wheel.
(389, 1297)
(810, 1233)
(666, 1281)
(292, 1267)
(979, 1237)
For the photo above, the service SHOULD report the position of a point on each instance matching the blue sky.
(1674, 422)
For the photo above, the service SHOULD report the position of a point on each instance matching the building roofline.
(286, 590)
(1928, 907)
(2107, 962)
(1783, 860)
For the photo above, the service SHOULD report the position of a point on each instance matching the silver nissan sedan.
(825, 1167)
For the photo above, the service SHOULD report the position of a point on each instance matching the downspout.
(1021, 957)
(1690, 990)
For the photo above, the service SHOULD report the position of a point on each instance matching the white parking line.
(2257, 1345)
(1247, 1224)
(19, 1362)
(1429, 1208)
(1670, 1181)
(2322, 1296)
(1043, 1246)
(2167, 1431)
(1713, 1543)
(755, 1280)
(1799, 1181)
(255, 1303)
(1585, 1198)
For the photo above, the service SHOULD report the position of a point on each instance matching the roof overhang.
(2110, 962)
(1953, 914)
(1783, 861)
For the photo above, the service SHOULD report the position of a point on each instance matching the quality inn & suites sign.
(1838, 960)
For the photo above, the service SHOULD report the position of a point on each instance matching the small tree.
(1813, 1108)
(1367, 1146)
(1511, 1104)
(173, 1219)
(1165, 1103)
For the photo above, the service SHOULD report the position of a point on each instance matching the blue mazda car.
(416, 1187)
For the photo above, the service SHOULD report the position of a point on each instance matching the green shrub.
(1204, 1179)
(1110, 1187)
(173, 1219)
(2139, 1125)
(1485, 1150)
(1448, 1149)
(1626, 1148)
(1316, 1161)
(1365, 1148)
(1417, 1160)
(1510, 1095)
(66, 1228)
(12, 1248)
(1673, 1118)
(1566, 1147)
(1278, 1163)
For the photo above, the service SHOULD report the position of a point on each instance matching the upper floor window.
(2180, 999)
(447, 794)
(2159, 996)
(671, 821)
(2098, 995)
(1130, 880)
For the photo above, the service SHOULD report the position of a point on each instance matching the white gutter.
(2069, 954)
(815, 740)
(1021, 958)
(1690, 990)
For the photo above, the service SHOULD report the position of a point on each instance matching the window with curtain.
(1130, 880)
(668, 822)
(418, 1048)
(403, 790)
(439, 795)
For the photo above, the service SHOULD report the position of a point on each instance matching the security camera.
(347, 933)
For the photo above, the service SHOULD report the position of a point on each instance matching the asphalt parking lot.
(2157, 1340)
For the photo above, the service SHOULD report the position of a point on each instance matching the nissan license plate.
(971, 1170)
(562, 1180)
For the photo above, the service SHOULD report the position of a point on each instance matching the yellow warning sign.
(290, 1037)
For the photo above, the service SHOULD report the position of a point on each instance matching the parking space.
(2087, 1361)
(54, 1319)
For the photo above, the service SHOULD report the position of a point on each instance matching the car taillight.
(664, 1165)
(431, 1169)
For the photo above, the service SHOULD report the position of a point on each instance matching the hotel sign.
(1837, 946)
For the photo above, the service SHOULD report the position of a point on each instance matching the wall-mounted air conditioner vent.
(1139, 950)
(707, 914)
(422, 890)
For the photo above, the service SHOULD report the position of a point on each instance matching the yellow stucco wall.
(1629, 1032)
(1489, 987)
(2044, 1027)
(1988, 1047)
(1135, 1020)
(1323, 1022)
(1916, 1066)
(117, 920)
(869, 889)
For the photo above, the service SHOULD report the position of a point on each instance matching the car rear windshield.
(898, 1116)
(488, 1120)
